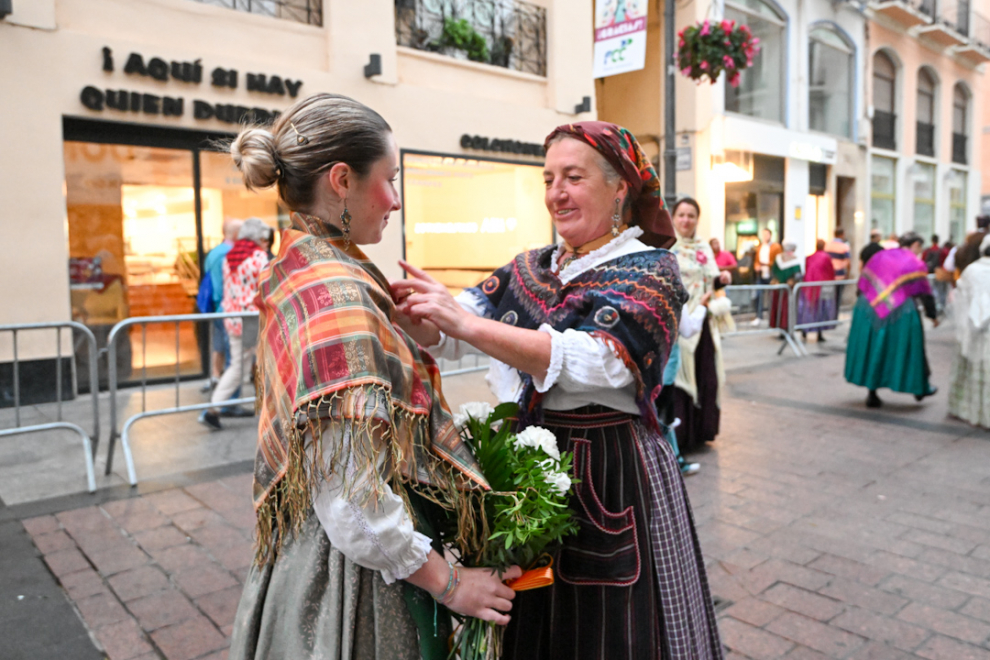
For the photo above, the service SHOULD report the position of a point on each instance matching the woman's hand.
(705, 299)
(424, 300)
(483, 595)
(725, 277)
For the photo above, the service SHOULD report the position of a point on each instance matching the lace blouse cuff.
(556, 360)
(412, 558)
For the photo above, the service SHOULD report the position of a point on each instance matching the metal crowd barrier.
(798, 327)
(779, 331)
(112, 345)
(465, 365)
(89, 441)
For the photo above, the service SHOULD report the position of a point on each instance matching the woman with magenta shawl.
(886, 345)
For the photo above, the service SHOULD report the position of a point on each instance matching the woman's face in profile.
(580, 201)
(685, 220)
(374, 197)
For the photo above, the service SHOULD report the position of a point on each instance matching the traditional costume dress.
(886, 345)
(787, 269)
(701, 377)
(356, 456)
(631, 583)
(969, 393)
(818, 304)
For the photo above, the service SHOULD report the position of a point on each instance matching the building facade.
(794, 147)
(927, 94)
(112, 188)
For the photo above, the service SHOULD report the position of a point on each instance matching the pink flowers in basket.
(707, 49)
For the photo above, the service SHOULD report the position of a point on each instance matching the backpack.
(204, 299)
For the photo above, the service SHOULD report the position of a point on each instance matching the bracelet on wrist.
(452, 582)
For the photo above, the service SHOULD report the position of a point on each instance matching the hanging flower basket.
(707, 49)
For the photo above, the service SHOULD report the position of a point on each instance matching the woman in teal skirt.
(886, 345)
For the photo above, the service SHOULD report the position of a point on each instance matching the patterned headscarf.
(622, 151)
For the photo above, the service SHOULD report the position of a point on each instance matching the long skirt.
(888, 352)
(815, 306)
(969, 392)
(699, 422)
(779, 304)
(631, 584)
(314, 603)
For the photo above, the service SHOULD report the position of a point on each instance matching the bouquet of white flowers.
(524, 515)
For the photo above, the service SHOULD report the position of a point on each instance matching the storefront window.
(957, 206)
(923, 178)
(761, 87)
(882, 194)
(831, 83)
(464, 217)
(135, 244)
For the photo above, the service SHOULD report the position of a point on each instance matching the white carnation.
(538, 438)
(559, 481)
(479, 410)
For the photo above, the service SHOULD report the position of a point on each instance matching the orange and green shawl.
(330, 354)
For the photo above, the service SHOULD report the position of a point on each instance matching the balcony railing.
(884, 124)
(959, 148)
(505, 33)
(925, 139)
(300, 11)
(955, 14)
(980, 32)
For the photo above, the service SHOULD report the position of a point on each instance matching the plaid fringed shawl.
(632, 303)
(330, 354)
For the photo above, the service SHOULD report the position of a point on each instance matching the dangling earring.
(345, 225)
(616, 220)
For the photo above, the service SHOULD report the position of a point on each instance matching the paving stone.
(813, 634)
(101, 609)
(946, 623)
(189, 639)
(940, 541)
(221, 606)
(236, 557)
(114, 559)
(123, 640)
(882, 629)
(921, 522)
(138, 582)
(181, 558)
(917, 590)
(219, 537)
(53, 542)
(978, 608)
(804, 653)
(219, 655)
(171, 502)
(777, 570)
(188, 521)
(201, 581)
(754, 611)
(876, 651)
(160, 538)
(40, 525)
(94, 540)
(848, 568)
(917, 570)
(81, 584)
(945, 648)
(967, 583)
(83, 519)
(752, 642)
(803, 602)
(861, 595)
(955, 562)
(162, 609)
(64, 562)
(129, 507)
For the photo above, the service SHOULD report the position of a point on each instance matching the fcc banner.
(620, 36)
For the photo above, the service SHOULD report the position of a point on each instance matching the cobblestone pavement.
(830, 531)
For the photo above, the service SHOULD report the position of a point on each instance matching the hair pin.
(300, 138)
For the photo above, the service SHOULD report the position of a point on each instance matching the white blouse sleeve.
(581, 363)
(372, 531)
(455, 349)
(692, 322)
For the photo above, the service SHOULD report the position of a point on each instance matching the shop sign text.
(503, 146)
(193, 73)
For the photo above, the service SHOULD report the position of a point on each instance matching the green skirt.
(313, 603)
(887, 352)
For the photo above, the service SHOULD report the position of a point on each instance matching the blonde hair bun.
(253, 151)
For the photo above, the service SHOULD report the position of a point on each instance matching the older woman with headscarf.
(701, 376)
(969, 396)
(886, 345)
(787, 269)
(579, 334)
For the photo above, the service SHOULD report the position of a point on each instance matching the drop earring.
(345, 225)
(616, 220)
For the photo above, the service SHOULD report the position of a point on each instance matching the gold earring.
(345, 225)
(616, 219)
